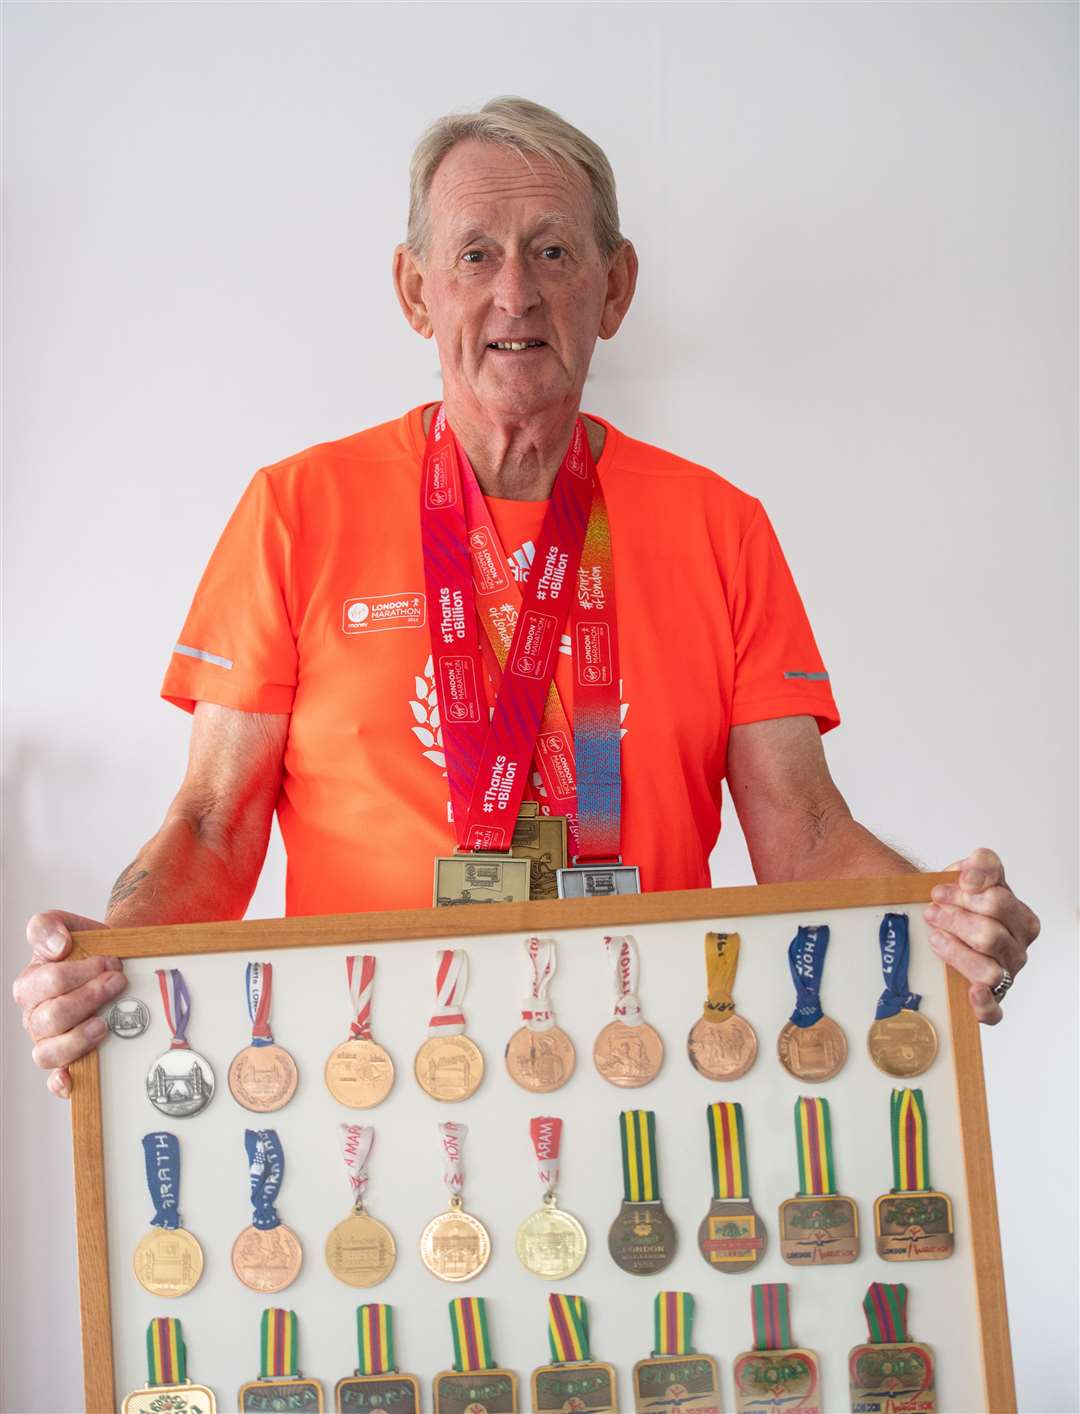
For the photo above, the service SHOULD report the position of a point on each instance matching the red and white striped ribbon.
(360, 968)
(453, 1142)
(535, 1009)
(356, 1145)
(448, 1019)
(623, 952)
(545, 1131)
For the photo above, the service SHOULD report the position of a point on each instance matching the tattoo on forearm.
(126, 884)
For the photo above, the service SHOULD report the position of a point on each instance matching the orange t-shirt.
(313, 603)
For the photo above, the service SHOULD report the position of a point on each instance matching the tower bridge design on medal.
(168, 1264)
(449, 1073)
(183, 1090)
(362, 1255)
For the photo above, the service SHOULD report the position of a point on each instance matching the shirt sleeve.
(778, 669)
(237, 647)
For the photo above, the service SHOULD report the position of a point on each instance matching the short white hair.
(527, 128)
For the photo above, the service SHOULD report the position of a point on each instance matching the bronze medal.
(298, 1395)
(768, 1380)
(263, 1078)
(359, 1074)
(475, 1392)
(628, 1056)
(904, 1044)
(185, 1398)
(267, 1259)
(550, 1243)
(540, 1061)
(642, 1239)
(540, 839)
(819, 1230)
(677, 1384)
(915, 1226)
(360, 1251)
(583, 1386)
(892, 1372)
(168, 1387)
(168, 1261)
(455, 1246)
(480, 878)
(449, 1068)
(731, 1236)
(813, 1053)
(377, 1394)
(722, 1050)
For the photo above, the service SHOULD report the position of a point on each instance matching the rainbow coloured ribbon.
(568, 1329)
(673, 1323)
(375, 1338)
(637, 1131)
(278, 1354)
(727, 1150)
(910, 1142)
(885, 1306)
(166, 1354)
(176, 999)
(770, 1313)
(813, 1140)
(472, 1340)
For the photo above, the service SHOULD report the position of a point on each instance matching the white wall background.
(857, 228)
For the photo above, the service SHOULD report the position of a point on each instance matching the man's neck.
(517, 462)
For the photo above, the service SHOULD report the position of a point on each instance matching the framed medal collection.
(713, 1150)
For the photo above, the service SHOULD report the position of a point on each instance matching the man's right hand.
(60, 998)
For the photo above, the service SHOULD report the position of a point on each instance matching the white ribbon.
(448, 1019)
(453, 1142)
(360, 969)
(546, 1134)
(623, 952)
(535, 1010)
(356, 1144)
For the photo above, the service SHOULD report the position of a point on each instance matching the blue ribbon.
(162, 1153)
(266, 1165)
(806, 958)
(895, 949)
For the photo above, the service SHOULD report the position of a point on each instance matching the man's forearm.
(831, 845)
(182, 875)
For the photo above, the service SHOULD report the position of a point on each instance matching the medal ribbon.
(673, 1323)
(886, 1313)
(727, 1150)
(641, 1181)
(360, 970)
(453, 1142)
(721, 962)
(266, 1169)
(259, 982)
(813, 1140)
(472, 1342)
(545, 1131)
(166, 1355)
(375, 1338)
(535, 1011)
(568, 1329)
(162, 1154)
(177, 1002)
(448, 1019)
(623, 952)
(277, 1346)
(910, 1142)
(895, 950)
(357, 1141)
(806, 957)
(770, 1314)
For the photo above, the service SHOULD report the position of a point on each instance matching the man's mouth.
(515, 345)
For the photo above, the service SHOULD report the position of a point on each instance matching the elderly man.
(372, 598)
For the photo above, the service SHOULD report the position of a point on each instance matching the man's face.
(512, 258)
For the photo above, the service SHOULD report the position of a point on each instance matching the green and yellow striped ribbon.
(910, 1142)
(673, 1323)
(472, 1343)
(813, 1139)
(770, 1313)
(568, 1329)
(886, 1313)
(727, 1150)
(641, 1182)
(166, 1357)
(375, 1338)
(278, 1348)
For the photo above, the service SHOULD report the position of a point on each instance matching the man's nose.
(516, 290)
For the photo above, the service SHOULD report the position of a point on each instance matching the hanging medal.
(449, 1065)
(676, 1379)
(731, 1236)
(913, 1222)
(168, 1386)
(377, 1384)
(267, 1255)
(819, 1226)
(541, 839)
(628, 1052)
(361, 1250)
(359, 1073)
(573, 1380)
(902, 1042)
(475, 1383)
(455, 1246)
(550, 1243)
(892, 1372)
(722, 1044)
(263, 1076)
(642, 1239)
(280, 1384)
(168, 1260)
(540, 1055)
(811, 1045)
(776, 1374)
(180, 1082)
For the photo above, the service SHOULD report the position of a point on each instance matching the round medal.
(812, 1052)
(359, 1074)
(168, 1261)
(628, 1056)
(722, 1050)
(540, 1061)
(267, 1259)
(128, 1018)
(263, 1078)
(449, 1068)
(550, 1243)
(361, 1251)
(455, 1246)
(180, 1083)
(904, 1044)
(642, 1238)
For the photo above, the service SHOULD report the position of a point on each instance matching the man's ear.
(621, 284)
(409, 287)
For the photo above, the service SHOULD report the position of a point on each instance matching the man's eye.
(473, 257)
(553, 252)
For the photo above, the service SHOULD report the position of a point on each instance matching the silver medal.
(180, 1083)
(128, 1018)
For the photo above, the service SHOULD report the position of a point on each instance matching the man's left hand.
(982, 929)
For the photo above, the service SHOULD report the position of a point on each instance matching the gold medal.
(267, 1260)
(811, 1046)
(475, 1385)
(539, 1056)
(169, 1387)
(913, 1222)
(776, 1374)
(628, 1052)
(541, 839)
(675, 1379)
(480, 878)
(359, 1073)
(891, 1372)
(550, 1243)
(168, 1262)
(731, 1236)
(819, 1227)
(360, 1251)
(449, 1066)
(574, 1381)
(455, 1246)
(721, 1045)
(903, 1045)
(280, 1385)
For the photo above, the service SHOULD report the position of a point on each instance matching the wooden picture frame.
(257, 937)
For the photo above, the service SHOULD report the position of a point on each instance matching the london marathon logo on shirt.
(370, 613)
